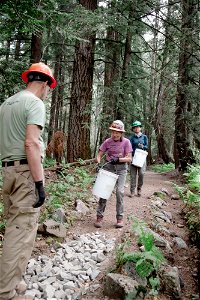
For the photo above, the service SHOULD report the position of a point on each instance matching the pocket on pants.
(27, 217)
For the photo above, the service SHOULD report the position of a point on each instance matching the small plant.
(163, 168)
(146, 262)
(72, 184)
(49, 162)
(191, 197)
(119, 256)
(1, 179)
(155, 285)
(2, 225)
(193, 177)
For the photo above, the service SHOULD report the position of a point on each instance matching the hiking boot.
(119, 224)
(131, 195)
(21, 287)
(139, 192)
(23, 297)
(98, 223)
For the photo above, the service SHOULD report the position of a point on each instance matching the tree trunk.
(111, 76)
(7, 49)
(17, 49)
(121, 107)
(53, 103)
(150, 107)
(59, 94)
(182, 131)
(78, 143)
(162, 96)
(36, 48)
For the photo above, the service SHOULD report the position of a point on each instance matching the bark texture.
(183, 105)
(78, 144)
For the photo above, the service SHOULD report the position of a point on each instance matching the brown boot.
(119, 224)
(139, 192)
(98, 223)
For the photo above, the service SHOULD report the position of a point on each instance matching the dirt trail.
(138, 206)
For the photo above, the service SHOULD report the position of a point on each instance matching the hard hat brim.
(115, 129)
(25, 78)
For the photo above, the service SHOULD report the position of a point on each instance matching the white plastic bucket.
(139, 158)
(104, 184)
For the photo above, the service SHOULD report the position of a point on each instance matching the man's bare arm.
(33, 152)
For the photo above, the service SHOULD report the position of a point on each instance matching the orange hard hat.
(40, 68)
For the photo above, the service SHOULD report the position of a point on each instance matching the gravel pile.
(70, 272)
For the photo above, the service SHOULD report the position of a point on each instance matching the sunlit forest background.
(112, 59)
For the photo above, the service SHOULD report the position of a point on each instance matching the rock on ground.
(119, 286)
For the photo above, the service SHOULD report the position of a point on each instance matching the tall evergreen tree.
(185, 80)
(78, 143)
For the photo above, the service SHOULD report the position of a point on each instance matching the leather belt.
(14, 163)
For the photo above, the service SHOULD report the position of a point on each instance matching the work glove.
(114, 160)
(40, 194)
(141, 146)
(98, 168)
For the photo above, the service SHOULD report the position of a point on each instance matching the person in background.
(138, 141)
(118, 153)
(22, 119)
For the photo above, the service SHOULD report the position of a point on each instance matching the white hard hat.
(117, 125)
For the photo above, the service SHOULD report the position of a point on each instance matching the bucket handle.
(98, 168)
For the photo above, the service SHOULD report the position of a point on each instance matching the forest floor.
(185, 260)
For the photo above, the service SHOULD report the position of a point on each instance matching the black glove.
(98, 168)
(114, 160)
(40, 194)
(141, 146)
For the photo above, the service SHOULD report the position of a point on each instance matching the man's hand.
(114, 160)
(40, 194)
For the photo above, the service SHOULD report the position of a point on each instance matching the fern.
(119, 259)
(144, 267)
(146, 240)
(155, 285)
(146, 262)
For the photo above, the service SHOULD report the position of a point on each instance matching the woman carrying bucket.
(138, 141)
(118, 153)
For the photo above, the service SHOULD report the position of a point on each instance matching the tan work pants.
(18, 196)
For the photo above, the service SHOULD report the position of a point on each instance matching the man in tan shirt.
(22, 119)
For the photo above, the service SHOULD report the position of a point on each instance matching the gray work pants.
(121, 170)
(134, 171)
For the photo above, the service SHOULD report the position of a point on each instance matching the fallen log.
(75, 163)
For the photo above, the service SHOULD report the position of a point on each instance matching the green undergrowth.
(190, 194)
(163, 168)
(71, 184)
(146, 262)
(49, 162)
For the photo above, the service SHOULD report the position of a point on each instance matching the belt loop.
(16, 163)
